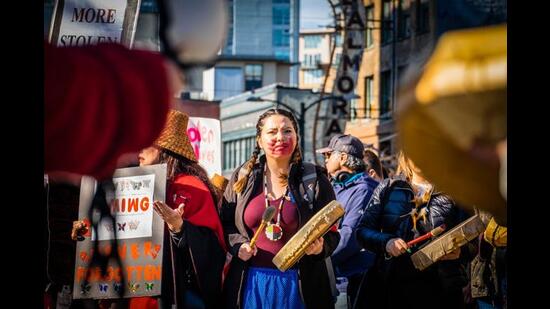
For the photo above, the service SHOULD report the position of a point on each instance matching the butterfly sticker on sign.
(85, 288)
(103, 287)
(121, 226)
(136, 185)
(133, 286)
(117, 286)
(133, 225)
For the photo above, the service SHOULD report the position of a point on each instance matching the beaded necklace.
(274, 231)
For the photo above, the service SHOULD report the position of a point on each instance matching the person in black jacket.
(400, 210)
(253, 280)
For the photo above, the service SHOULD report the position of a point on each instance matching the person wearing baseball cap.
(353, 188)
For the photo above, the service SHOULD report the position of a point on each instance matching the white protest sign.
(132, 208)
(78, 23)
(140, 235)
(205, 136)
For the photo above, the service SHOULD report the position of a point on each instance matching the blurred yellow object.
(464, 62)
(495, 234)
(219, 182)
(451, 120)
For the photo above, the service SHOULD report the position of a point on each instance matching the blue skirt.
(271, 288)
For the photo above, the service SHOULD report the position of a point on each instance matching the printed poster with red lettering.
(205, 137)
(137, 230)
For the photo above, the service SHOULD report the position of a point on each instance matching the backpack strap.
(309, 183)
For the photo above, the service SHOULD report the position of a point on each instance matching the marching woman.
(275, 179)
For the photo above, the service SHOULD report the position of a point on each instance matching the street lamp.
(300, 117)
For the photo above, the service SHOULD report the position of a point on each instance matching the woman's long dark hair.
(178, 164)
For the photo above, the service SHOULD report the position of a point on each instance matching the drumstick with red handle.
(433, 233)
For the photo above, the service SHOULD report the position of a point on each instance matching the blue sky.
(314, 13)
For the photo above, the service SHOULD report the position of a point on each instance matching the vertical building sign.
(354, 22)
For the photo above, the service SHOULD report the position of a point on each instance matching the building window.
(281, 38)
(404, 20)
(281, 1)
(226, 158)
(281, 15)
(422, 17)
(229, 44)
(369, 12)
(354, 106)
(312, 41)
(228, 81)
(282, 54)
(369, 83)
(338, 39)
(313, 76)
(385, 92)
(311, 61)
(386, 22)
(229, 40)
(148, 6)
(236, 152)
(337, 58)
(252, 76)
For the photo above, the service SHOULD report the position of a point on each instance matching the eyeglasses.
(326, 155)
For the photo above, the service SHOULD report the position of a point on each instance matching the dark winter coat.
(199, 264)
(438, 286)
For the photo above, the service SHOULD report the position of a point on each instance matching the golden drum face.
(315, 228)
(448, 242)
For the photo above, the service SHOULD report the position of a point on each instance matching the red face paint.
(281, 147)
(277, 138)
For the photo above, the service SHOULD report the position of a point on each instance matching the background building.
(315, 53)
(234, 74)
(262, 36)
(392, 55)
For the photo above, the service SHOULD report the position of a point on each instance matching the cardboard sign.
(205, 137)
(78, 23)
(139, 232)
